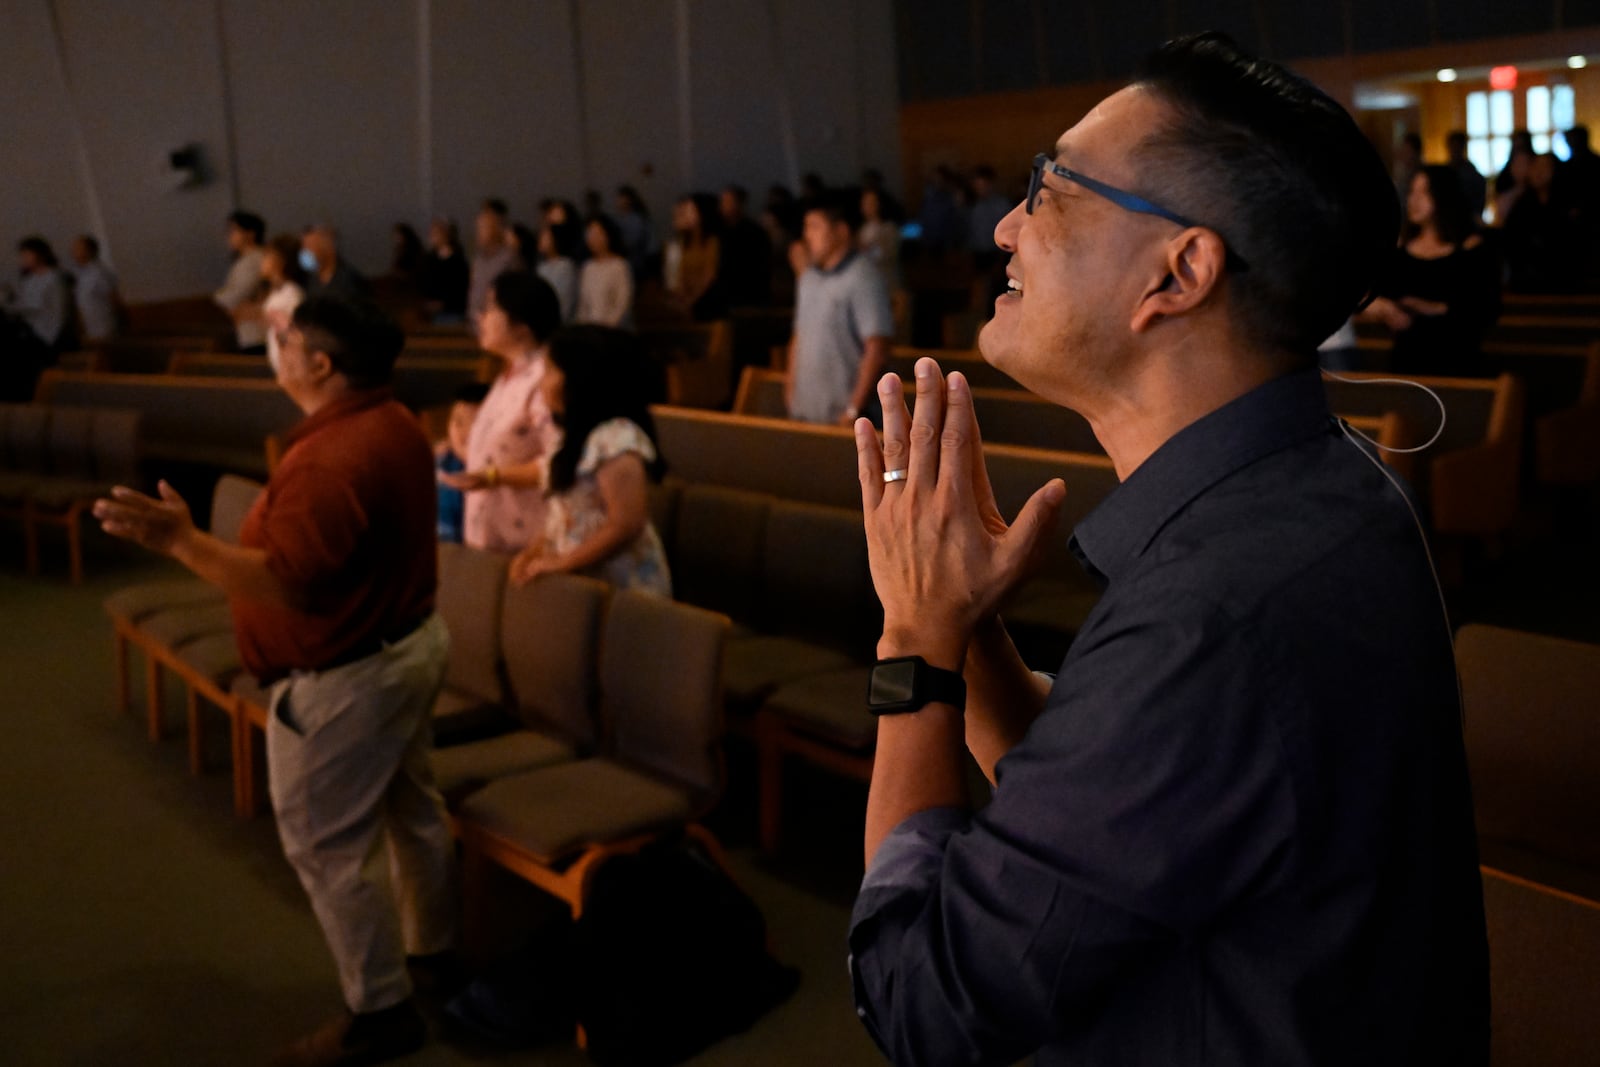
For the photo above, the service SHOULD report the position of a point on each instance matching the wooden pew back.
(219, 422)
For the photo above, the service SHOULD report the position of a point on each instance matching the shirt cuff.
(910, 857)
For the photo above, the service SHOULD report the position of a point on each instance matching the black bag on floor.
(671, 957)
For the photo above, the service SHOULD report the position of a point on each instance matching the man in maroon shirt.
(332, 588)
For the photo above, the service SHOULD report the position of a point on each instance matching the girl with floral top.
(598, 385)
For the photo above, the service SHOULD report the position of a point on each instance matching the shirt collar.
(349, 404)
(1269, 418)
(849, 257)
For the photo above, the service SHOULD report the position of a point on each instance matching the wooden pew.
(803, 461)
(1567, 440)
(1543, 944)
(1550, 305)
(144, 354)
(191, 315)
(1005, 416)
(979, 372)
(1545, 329)
(221, 423)
(219, 365)
(1468, 479)
(696, 358)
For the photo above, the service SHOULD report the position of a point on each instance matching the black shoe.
(348, 1040)
(438, 976)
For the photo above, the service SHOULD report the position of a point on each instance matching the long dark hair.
(1452, 218)
(287, 248)
(607, 376)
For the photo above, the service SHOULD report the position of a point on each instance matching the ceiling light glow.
(1447, 74)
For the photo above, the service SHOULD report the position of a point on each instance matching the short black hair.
(287, 247)
(91, 242)
(40, 248)
(358, 336)
(838, 205)
(634, 201)
(495, 206)
(1452, 218)
(1577, 137)
(606, 375)
(612, 231)
(470, 393)
(568, 236)
(1284, 174)
(740, 194)
(250, 223)
(528, 300)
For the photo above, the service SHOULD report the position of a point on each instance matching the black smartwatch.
(908, 683)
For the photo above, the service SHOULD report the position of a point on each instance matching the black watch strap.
(909, 683)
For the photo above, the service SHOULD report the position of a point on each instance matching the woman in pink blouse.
(513, 433)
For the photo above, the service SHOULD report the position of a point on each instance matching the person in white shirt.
(605, 283)
(283, 286)
(37, 325)
(41, 298)
(495, 254)
(556, 249)
(94, 288)
(245, 234)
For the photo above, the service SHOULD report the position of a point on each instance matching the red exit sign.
(1503, 78)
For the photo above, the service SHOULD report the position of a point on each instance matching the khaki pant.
(348, 760)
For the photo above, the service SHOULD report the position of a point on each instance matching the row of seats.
(56, 461)
(602, 729)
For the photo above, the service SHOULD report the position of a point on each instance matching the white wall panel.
(369, 112)
(506, 118)
(146, 80)
(631, 95)
(738, 78)
(325, 117)
(41, 183)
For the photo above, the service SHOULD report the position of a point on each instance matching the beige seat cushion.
(555, 812)
(137, 602)
(462, 769)
(460, 717)
(214, 656)
(178, 625)
(754, 666)
(830, 706)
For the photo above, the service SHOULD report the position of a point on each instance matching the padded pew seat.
(536, 811)
(137, 602)
(830, 706)
(461, 717)
(465, 768)
(757, 664)
(175, 626)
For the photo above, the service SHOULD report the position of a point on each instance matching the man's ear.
(321, 366)
(1195, 264)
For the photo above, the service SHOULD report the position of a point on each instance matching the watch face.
(892, 683)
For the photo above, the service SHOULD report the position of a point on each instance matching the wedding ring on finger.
(895, 476)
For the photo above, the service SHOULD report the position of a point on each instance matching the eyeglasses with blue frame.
(1120, 197)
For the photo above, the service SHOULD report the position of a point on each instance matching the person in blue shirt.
(1236, 827)
(449, 459)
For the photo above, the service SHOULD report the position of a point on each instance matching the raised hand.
(158, 525)
(943, 558)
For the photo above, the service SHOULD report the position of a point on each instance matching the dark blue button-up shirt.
(1240, 832)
